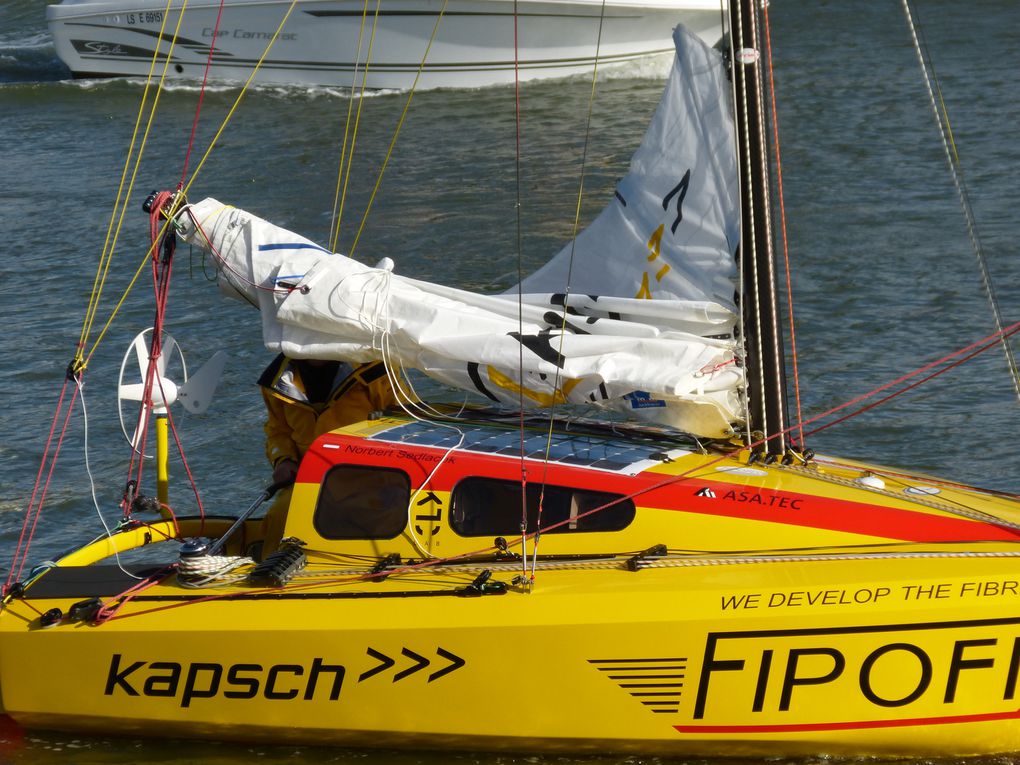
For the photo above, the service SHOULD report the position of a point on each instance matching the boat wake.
(30, 59)
(287, 92)
(646, 68)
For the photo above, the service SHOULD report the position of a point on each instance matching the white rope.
(92, 481)
(378, 321)
(210, 570)
(675, 560)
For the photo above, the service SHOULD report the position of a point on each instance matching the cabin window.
(487, 507)
(360, 502)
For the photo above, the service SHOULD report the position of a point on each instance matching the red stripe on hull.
(861, 725)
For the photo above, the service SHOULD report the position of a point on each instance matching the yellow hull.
(882, 657)
(841, 642)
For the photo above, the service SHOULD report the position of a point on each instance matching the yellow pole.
(162, 461)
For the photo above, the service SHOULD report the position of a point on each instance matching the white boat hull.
(319, 42)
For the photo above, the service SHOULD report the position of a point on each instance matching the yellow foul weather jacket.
(296, 416)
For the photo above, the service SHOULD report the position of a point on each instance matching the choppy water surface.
(884, 275)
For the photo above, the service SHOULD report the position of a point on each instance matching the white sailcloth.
(636, 314)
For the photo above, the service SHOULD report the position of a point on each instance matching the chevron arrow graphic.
(420, 662)
(385, 662)
(455, 663)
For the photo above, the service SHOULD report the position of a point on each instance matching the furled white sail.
(636, 314)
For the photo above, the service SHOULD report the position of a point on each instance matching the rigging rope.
(129, 174)
(519, 234)
(41, 487)
(80, 360)
(791, 324)
(566, 294)
(240, 96)
(125, 189)
(938, 107)
(182, 187)
(966, 354)
(344, 173)
(747, 238)
(396, 132)
(201, 93)
(112, 609)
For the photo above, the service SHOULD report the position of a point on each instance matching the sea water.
(884, 274)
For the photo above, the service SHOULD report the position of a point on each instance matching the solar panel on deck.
(571, 449)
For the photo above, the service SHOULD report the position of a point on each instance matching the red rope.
(49, 477)
(34, 508)
(963, 355)
(162, 264)
(782, 225)
(107, 612)
(201, 96)
(968, 353)
(222, 262)
(40, 488)
(187, 470)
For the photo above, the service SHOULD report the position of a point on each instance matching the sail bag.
(636, 314)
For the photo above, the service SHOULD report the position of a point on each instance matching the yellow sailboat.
(710, 590)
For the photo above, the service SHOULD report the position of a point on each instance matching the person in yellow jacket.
(305, 398)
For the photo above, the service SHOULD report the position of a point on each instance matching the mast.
(763, 336)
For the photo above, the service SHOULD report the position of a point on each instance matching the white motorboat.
(355, 43)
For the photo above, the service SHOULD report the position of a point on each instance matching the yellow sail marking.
(655, 242)
(500, 380)
(654, 250)
(644, 293)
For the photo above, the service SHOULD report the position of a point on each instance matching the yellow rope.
(357, 119)
(344, 174)
(240, 97)
(120, 303)
(131, 185)
(123, 195)
(104, 265)
(396, 133)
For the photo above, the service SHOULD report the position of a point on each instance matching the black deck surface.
(88, 581)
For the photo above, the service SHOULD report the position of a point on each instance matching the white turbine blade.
(141, 424)
(196, 394)
(135, 392)
(168, 348)
(142, 354)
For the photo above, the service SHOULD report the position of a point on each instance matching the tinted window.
(488, 507)
(358, 502)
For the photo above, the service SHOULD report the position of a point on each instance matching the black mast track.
(763, 335)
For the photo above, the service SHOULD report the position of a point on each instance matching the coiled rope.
(197, 571)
